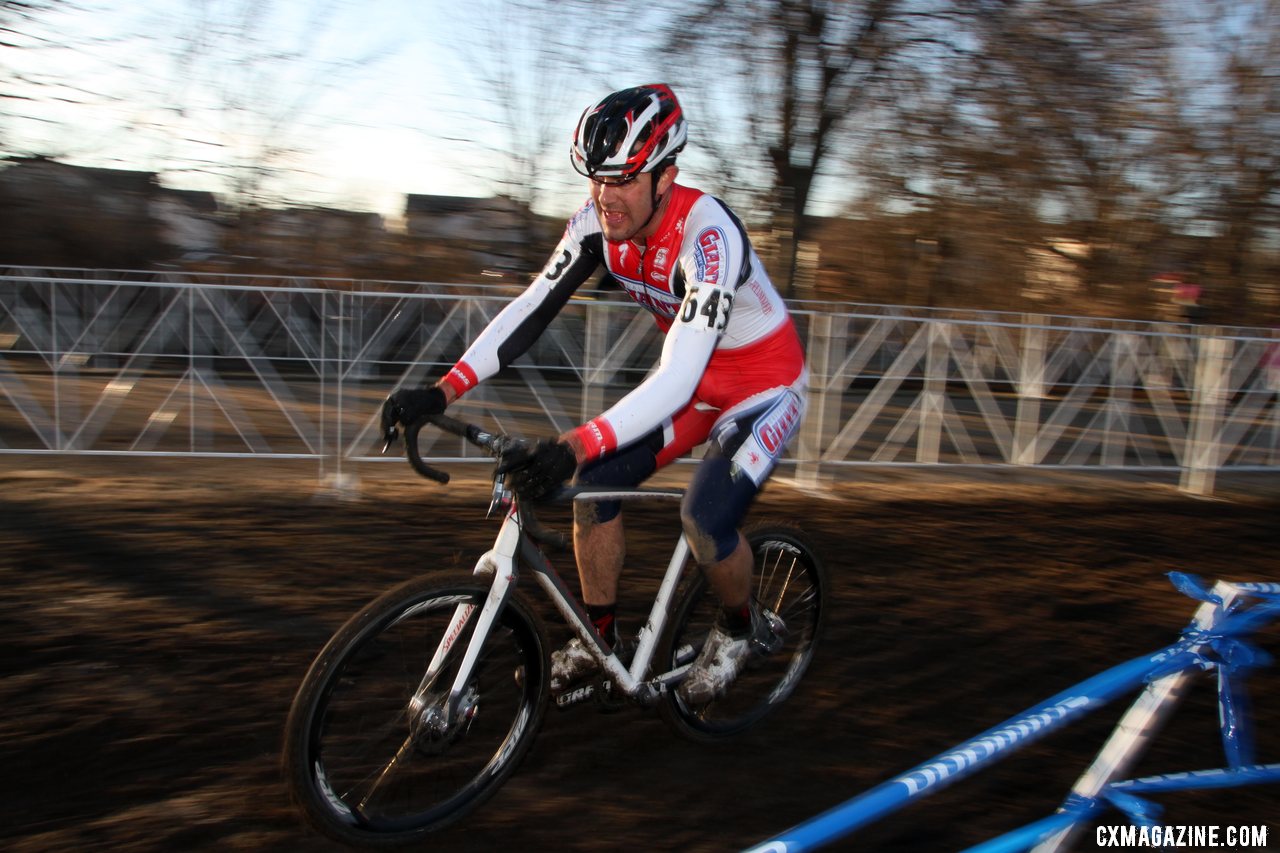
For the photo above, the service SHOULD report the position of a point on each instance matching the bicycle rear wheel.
(789, 581)
(369, 770)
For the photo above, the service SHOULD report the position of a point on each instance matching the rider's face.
(624, 207)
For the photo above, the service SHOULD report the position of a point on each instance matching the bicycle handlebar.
(480, 438)
(495, 444)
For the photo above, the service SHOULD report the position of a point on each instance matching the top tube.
(594, 493)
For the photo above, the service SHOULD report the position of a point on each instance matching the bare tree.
(804, 69)
(1048, 123)
(985, 129)
(1232, 128)
(522, 64)
(1145, 130)
(989, 132)
(524, 69)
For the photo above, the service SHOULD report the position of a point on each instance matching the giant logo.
(776, 425)
(708, 255)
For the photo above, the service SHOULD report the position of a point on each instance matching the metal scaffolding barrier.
(177, 364)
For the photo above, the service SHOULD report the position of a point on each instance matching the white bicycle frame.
(512, 544)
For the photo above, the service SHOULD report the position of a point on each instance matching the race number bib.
(710, 305)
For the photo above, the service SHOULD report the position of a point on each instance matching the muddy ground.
(156, 620)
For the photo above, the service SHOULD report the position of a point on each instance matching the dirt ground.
(157, 618)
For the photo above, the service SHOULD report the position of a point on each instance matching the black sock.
(602, 616)
(737, 620)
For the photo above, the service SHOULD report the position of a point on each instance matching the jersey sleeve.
(714, 259)
(510, 334)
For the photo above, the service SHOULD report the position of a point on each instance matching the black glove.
(538, 471)
(409, 406)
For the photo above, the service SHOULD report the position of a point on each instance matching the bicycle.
(1217, 640)
(421, 706)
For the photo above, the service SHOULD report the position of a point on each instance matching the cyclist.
(732, 372)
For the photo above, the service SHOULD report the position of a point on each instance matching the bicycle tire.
(357, 765)
(788, 579)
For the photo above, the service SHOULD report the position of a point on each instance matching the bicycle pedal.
(774, 638)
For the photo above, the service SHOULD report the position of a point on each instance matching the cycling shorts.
(745, 443)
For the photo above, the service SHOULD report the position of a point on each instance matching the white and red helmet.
(629, 132)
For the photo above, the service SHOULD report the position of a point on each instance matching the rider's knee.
(712, 537)
(585, 515)
(589, 514)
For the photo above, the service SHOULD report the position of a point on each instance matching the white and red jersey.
(728, 333)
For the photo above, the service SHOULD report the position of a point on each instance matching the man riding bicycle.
(732, 373)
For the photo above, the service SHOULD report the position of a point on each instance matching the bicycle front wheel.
(371, 766)
(788, 581)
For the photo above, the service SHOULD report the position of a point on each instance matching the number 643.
(715, 305)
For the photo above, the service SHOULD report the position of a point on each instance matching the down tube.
(975, 754)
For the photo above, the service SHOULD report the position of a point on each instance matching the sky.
(384, 102)
(370, 99)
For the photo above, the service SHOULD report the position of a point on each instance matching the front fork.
(438, 715)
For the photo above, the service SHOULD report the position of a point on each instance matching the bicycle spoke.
(395, 760)
(788, 582)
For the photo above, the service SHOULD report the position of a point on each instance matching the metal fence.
(179, 364)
